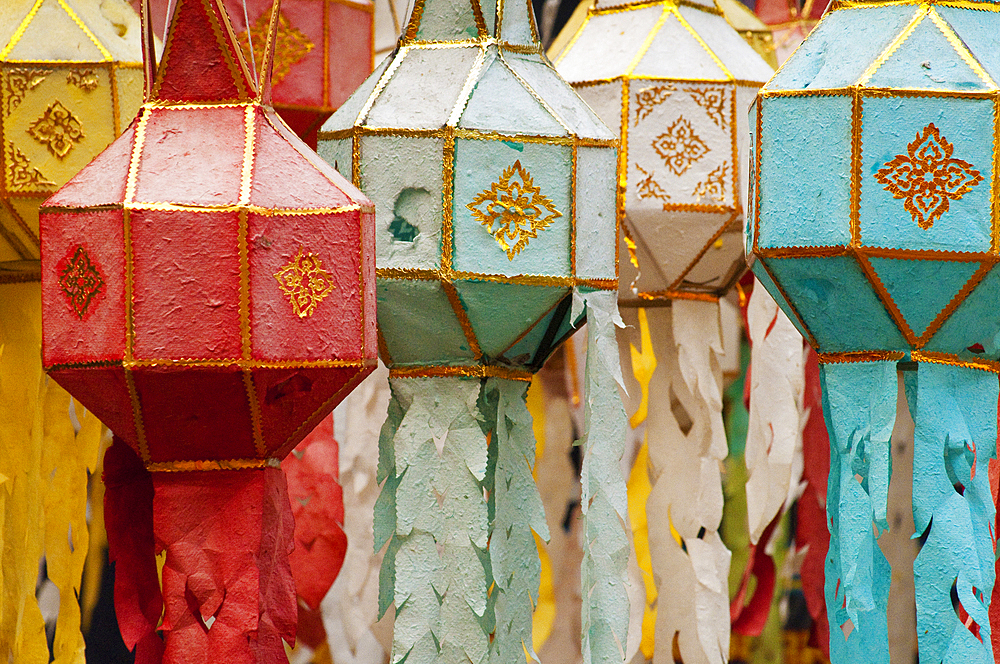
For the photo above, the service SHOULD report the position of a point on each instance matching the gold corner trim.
(953, 360)
(477, 371)
(189, 466)
(861, 356)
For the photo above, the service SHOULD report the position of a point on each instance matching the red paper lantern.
(323, 52)
(208, 292)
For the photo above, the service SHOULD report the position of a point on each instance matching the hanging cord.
(253, 59)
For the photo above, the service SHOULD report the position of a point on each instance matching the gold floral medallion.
(57, 129)
(680, 146)
(291, 44)
(927, 178)
(516, 207)
(305, 282)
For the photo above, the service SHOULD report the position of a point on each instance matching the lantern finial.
(209, 67)
(510, 21)
(267, 62)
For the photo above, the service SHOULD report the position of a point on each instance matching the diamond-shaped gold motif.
(57, 129)
(291, 44)
(80, 280)
(305, 282)
(680, 146)
(516, 206)
(927, 177)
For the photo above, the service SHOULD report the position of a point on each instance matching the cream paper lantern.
(675, 80)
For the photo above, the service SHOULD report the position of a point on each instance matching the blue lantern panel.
(805, 193)
(908, 144)
(835, 296)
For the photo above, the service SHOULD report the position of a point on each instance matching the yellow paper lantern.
(71, 75)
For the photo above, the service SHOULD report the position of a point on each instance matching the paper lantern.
(494, 195)
(72, 79)
(323, 51)
(674, 79)
(888, 112)
(211, 300)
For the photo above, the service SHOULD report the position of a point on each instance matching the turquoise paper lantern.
(874, 223)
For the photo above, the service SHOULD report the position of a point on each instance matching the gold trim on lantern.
(468, 134)
(828, 251)
(216, 363)
(19, 33)
(641, 4)
(463, 318)
(255, 416)
(895, 44)
(176, 207)
(994, 192)
(958, 4)
(861, 356)
(447, 198)
(478, 371)
(450, 275)
(856, 148)
(211, 464)
(946, 358)
(140, 429)
(242, 229)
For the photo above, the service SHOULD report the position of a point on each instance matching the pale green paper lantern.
(495, 194)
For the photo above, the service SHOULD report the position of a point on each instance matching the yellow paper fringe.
(639, 486)
(43, 470)
(544, 616)
(643, 366)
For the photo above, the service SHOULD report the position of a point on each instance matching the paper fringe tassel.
(604, 577)
(774, 437)
(954, 409)
(44, 461)
(227, 589)
(228, 593)
(317, 506)
(686, 444)
(458, 517)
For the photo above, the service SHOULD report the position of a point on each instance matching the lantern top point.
(899, 46)
(211, 67)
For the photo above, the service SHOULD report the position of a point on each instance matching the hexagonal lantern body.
(323, 52)
(493, 187)
(72, 80)
(874, 162)
(202, 294)
(673, 79)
